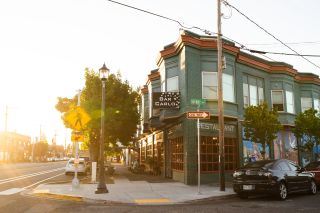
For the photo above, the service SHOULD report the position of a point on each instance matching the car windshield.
(259, 164)
(313, 165)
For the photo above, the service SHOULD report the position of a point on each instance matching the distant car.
(278, 177)
(314, 167)
(82, 166)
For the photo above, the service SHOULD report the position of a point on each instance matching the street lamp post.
(102, 188)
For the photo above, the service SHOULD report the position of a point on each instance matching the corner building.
(168, 139)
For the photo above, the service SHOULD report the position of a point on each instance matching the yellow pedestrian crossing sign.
(77, 118)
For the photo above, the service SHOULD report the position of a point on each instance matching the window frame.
(259, 90)
(311, 103)
(215, 86)
(176, 81)
(292, 100)
(272, 101)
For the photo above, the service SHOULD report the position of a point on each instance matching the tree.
(121, 114)
(307, 129)
(261, 125)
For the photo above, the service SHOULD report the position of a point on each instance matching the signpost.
(198, 115)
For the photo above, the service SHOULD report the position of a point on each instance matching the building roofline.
(188, 38)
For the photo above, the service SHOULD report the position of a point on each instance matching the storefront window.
(210, 154)
(143, 152)
(177, 158)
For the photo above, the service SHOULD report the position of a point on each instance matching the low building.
(14, 147)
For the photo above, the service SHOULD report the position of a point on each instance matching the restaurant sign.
(165, 100)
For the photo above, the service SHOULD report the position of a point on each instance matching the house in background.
(14, 147)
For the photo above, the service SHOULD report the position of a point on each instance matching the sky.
(45, 46)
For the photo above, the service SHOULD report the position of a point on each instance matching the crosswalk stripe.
(12, 191)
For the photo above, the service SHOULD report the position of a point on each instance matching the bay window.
(173, 84)
(290, 102)
(210, 86)
(306, 103)
(277, 100)
(316, 104)
(253, 92)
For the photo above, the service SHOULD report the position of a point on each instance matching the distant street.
(18, 177)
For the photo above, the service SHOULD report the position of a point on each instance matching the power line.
(180, 23)
(162, 16)
(278, 53)
(226, 3)
(291, 43)
(242, 46)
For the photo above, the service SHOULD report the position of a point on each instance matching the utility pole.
(220, 102)
(6, 156)
(75, 180)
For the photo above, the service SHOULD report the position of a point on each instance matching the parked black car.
(314, 167)
(278, 177)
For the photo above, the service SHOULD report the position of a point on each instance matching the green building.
(168, 139)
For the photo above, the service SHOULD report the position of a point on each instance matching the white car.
(82, 167)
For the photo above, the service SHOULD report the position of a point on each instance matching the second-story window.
(316, 104)
(210, 86)
(306, 103)
(253, 92)
(277, 100)
(290, 102)
(173, 84)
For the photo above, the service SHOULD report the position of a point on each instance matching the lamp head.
(104, 72)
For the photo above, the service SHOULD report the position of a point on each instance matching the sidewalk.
(128, 188)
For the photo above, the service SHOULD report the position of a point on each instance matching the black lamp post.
(102, 188)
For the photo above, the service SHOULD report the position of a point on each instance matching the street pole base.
(101, 191)
(75, 183)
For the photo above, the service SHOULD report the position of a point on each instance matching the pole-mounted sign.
(198, 115)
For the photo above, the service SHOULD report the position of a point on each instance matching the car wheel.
(313, 187)
(283, 192)
(243, 195)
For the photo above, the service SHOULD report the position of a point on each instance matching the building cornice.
(193, 40)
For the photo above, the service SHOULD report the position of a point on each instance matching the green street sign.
(199, 102)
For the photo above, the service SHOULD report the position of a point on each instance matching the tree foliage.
(121, 114)
(261, 125)
(307, 128)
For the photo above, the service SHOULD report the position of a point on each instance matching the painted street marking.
(43, 180)
(162, 200)
(12, 191)
(8, 180)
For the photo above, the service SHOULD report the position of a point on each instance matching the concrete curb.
(133, 203)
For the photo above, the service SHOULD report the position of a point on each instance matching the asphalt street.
(17, 179)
